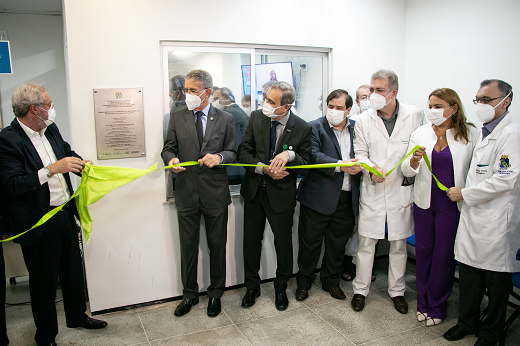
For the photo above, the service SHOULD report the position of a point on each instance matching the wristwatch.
(47, 172)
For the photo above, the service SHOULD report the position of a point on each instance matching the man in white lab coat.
(488, 238)
(381, 139)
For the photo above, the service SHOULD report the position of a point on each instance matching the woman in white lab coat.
(448, 140)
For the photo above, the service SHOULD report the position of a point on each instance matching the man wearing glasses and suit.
(205, 134)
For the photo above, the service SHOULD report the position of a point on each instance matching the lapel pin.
(290, 147)
(285, 147)
(288, 130)
(211, 118)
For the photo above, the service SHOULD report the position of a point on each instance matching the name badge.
(482, 169)
(406, 141)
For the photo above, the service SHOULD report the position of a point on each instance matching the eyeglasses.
(485, 100)
(192, 91)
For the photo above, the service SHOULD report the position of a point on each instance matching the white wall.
(457, 44)
(133, 254)
(37, 56)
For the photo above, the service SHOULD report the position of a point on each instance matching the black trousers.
(56, 255)
(313, 229)
(473, 283)
(189, 234)
(255, 213)
(4, 340)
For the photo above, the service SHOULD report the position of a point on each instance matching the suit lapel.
(352, 134)
(331, 134)
(52, 140)
(266, 135)
(287, 132)
(189, 117)
(28, 144)
(210, 125)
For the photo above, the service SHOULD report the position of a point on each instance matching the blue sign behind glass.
(5, 58)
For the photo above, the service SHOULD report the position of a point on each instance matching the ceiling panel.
(31, 6)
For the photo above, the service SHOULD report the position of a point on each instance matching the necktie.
(198, 126)
(272, 142)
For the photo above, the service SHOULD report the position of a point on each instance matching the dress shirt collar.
(394, 115)
(491, 125)
(30, 133)
(285, 119)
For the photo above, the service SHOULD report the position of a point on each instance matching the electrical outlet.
(3, 35)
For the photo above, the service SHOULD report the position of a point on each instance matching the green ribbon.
(97, 181)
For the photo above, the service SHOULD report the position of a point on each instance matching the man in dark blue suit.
(35, 163)
(328, 198)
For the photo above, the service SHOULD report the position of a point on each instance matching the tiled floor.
(320, 320)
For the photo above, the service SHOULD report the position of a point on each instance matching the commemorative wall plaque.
(119, 123)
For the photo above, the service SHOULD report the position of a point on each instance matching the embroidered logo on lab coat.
(504, 165)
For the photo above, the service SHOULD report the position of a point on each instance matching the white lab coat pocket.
(487, 224)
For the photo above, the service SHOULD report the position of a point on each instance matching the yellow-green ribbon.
(97, 181)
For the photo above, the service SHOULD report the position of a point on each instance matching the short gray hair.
(26, 95)
(266, 87)
(393, 81)
(227, 92)
(201, 76)
(504, 88)
(364, 86)
(288, 93)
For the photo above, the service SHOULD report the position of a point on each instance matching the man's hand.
(377, 179)
(175, 161)
(352, 170)
(455, 194)
(84, 162)
(210, 160)
(279, 161)
(66, 165)
(275, 175)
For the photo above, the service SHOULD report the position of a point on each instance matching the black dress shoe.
(214, 307)
(51, 343)
(185, 306)
(484, 342)
(281, 301)
(250, 298)
(400, 304)
(335, 292)
(89, 323)
(358, 302)
(456, 333)
(302, 293)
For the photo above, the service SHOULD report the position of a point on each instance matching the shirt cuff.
(259, 170)
(338, 168)
(292, 155)
(42, 176)
(221, 158)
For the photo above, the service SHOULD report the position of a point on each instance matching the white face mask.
(247, 110)
(436, 116)
(364, 105)
(377, 101)
(51, 113)
(486, 113)
(194, 101)
(268, 110)
(320, 105)
(217, 104)
(335, 117)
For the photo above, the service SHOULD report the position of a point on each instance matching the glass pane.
(304, 73)
(230, 71)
